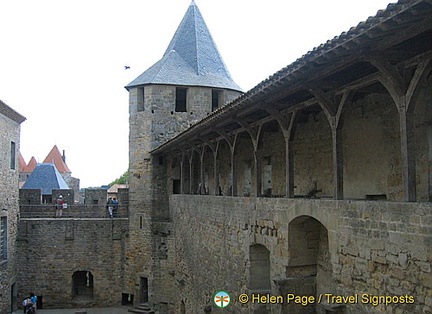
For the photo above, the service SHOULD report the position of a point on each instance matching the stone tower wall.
(153, 120)
(9, 132)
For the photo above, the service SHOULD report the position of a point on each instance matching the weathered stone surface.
(9, 211)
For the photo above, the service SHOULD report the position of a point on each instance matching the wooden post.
(430, 161)
(289, 168)
(233, 176)
(191, 173)
(203, 187)
(215, 170)
(337, 163)
(333, 111)
(182, 174)
(258, 176)
(403, 92)
(406, 120)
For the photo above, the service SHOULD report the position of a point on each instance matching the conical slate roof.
(45, 177)
(191, 58)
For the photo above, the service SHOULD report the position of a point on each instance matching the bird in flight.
(127, 67)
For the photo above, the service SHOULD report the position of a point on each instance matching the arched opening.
(309, 270)
(259, 270)
(82, 285)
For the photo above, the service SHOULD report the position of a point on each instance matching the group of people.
(112, 206)
(30, 304)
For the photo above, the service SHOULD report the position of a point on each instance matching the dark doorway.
(144, 290)
(82, 285)
(176, 187)
(14, 304)
(127, 299)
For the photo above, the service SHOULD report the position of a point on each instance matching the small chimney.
(64, 156)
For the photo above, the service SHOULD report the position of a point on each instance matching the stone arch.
(309, 270)
(82, 285)
(259, 269)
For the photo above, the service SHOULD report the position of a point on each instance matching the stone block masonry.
(72, 262)
(351, 248)
(9, 209)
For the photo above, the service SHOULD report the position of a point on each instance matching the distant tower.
(189, 82)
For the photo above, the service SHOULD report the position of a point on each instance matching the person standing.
(110, 206)
(59, 206)
(115, 206)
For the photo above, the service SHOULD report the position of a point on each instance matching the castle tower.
(187, 83)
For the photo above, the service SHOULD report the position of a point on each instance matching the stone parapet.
(72, 211)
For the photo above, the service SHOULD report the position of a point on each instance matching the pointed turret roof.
(22, 163)
(191, 58)
(54, 157)
(31, 165)
(45, 177)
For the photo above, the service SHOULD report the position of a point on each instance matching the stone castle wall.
(52, 250)
(9, 132)
(373, 248)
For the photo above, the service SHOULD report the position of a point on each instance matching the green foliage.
(124, 179)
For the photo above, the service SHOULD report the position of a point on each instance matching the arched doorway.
(259, 274)
(82, 285)
(309, 271)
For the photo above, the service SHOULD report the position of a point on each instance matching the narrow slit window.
(140, 99)
(3, 238)
(13, 156)
(181, 99)
(216, 99)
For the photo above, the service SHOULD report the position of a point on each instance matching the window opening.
(13, 156)
(3, 238)
(216, 97)
(180, 105)
(140, 99)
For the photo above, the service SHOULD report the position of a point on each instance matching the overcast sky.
(62, 62)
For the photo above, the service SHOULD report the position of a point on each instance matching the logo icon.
(221, 299)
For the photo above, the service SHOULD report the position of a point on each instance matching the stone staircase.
(143, 308)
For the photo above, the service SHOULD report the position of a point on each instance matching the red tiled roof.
(54, 157)
(31, 165)
(22, 163)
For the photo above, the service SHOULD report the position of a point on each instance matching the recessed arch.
(259, 269)
(309, 270)
(82, 285)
